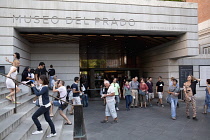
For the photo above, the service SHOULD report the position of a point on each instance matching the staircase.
(19, 126)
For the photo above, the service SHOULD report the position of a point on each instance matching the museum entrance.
(113, 56)
(96, 56)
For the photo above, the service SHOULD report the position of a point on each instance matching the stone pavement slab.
(153, 123)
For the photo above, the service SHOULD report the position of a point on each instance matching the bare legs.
(11, 96)
(60, 112)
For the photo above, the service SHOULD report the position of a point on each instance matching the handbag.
(143, 93)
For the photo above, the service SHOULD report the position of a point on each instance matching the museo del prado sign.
(73, 20)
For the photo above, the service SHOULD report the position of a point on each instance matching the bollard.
(79, 125)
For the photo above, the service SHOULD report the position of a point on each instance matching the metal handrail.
(16, 81)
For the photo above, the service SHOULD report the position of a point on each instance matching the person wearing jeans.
(174, 91)
(127, 95)
(44, 103)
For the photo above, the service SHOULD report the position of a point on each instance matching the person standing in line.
(76, 94)
(143, 88)
(51, 73)
(37, 75)
(134, 89)
(159, 90)
(174, 91)
(62, 95)
(150, 90)
(117, 92)
(44, 103)
(190, 91)
(16, 57)
(207, 97)
(169, 96)
(84, 88)
(127, 95)
(10, 83)
(110, 103)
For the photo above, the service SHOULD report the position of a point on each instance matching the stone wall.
(64, 58)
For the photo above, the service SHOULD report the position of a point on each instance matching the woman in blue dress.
(207, 98)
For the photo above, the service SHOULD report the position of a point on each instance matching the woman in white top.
(10, 83)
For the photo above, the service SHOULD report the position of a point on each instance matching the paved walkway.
(153, 123)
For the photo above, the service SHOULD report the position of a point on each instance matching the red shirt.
(143, 87)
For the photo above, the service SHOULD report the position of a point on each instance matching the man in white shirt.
(110, 103)
(62, 95)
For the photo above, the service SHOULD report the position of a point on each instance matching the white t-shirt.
(110, 91)
(63, 92)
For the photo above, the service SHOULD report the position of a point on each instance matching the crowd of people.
(138, 94)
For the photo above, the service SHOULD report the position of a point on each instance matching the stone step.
(45, 127)
(8, 110)
(10, 123)
(4, 102)
(2, 83)
(67, 132)
(2, 88)
(4, 93)
(25, 129)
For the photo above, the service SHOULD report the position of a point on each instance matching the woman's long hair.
(17, 55)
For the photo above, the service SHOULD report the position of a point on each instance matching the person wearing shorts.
(159, 90)
(76, 94)
(62, 95)
(150, 90)
(110, 103)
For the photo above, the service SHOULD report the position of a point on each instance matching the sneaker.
(104, 121)
(157, 103)
(117, 108)
(162, 105)
(51, 135)
(188, 117)
(136, 106)
(114, 121)
(131, 106)
(173, 118)
(37, 132)
(34, 102)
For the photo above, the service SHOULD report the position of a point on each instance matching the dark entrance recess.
(184, 72)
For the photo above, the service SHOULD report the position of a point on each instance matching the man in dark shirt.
(76, 94)
(159, 90)
(37, 75)
(150, 90)
(51, 73)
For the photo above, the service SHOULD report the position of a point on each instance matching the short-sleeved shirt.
(75, 86)
(150, 87)
(160, 85)
(110, 91)
(193, 86)
(116, 88)
(51, 72)
(38, 72)
(63, 92)
(174, 89)
(127, 90)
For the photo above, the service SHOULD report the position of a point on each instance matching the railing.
(16, 81)
(79, 126)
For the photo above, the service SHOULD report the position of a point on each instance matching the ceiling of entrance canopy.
(145, 41)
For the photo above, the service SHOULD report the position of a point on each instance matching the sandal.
(71, 113)
(67, 123)
(204, 112)
(51, 115)
(9, 98)
(16, 102)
